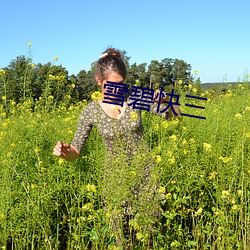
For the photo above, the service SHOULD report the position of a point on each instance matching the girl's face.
(112, 77)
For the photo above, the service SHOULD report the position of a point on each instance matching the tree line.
(22, 79)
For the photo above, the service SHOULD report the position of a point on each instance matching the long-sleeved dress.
(123, 139)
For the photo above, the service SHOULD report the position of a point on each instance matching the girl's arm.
(70, 152)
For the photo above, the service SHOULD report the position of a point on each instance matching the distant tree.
(18, 79)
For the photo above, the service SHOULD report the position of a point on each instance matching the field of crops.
(203, 165)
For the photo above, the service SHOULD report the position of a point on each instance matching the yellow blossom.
(225, 193)
(195, 71)
(2, 72)
(2, 217)
(29, 44)
(235, 207)
(4, 124)
(50, 97)
(33, 186)
(162, 190)
(190, 86)
(13, 103)
(247, 108)
(180, 82)
(239, 192)
(37, 149)
(247, 135)
(218, 212)
(171, 160)
(238, 116)
(194, 90)
(96, 96)
(212, 175)
(156, 127)
(134, 116)
(158, 159)
(184, 141)
(207, 147)
(198, 212)
(91, 188)
(133, 173)
(61, 161)
(56, 58)
(173, 137)
(3, 97)
(164, 124)
(191, 140)
(175, 122)
(87, 207)
(225, 159)
(168, 196)
(73, 85)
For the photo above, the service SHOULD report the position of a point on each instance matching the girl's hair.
(110, 60)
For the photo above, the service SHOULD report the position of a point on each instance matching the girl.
(122, 131)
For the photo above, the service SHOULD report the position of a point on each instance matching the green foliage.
(203, 165)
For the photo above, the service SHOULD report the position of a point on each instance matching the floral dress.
(123, 137)
(128, 129)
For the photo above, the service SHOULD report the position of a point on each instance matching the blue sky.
(212, 36)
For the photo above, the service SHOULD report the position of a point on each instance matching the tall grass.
(204, 165)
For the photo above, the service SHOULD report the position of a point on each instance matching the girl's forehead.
(114, 77)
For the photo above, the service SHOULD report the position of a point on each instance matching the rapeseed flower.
(191, 140)
(238, 116)
(162, 190)
(235, 207)
(158, 159)
(198, 212)
(239, 192)
(29, 44)
(134, 116)
(225, 193)
(184, 141)
(194, 90)
(56, 58)
(156, 127)
(87, 207)
(207, 147)
(173, 137)
(91, 188)
(96, 96)
(180, 82)
(2, 72)
(225, 159)
(2, 217)
(247, 108)
(171, 160)
(212, 175)
(195, 71)
(168, 196)
(164, 124)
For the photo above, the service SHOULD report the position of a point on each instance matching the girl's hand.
(62, 149)
(166, 98)
(66, 151)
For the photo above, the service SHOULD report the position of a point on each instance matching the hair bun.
(111, 52)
